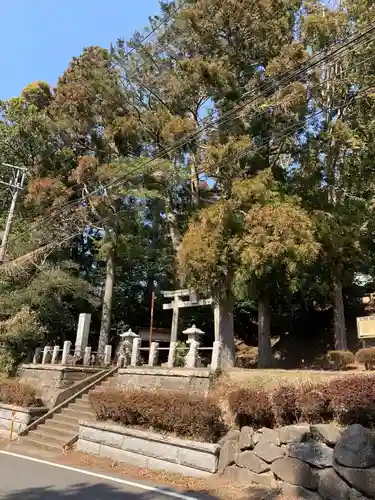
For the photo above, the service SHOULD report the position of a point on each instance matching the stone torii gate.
(178, 303)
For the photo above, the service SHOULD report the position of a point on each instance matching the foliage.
(181, 351)
(18, 335)
(187, 416)
(285, 404)
(366, 356)
(313, 403)
(272, 205)
(251, 407)
(13, 392)
(347, 399)
(352, 400)
(340, 359)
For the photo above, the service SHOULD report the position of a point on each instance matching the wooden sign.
(366, 327)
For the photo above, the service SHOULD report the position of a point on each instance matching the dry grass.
(215, 487)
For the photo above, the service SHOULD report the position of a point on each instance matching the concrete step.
(84, 397)
(77, 414)
(80, 405)
(61, 418)
(34, 442)
(61, 426)
(51, 431)
(56, 441)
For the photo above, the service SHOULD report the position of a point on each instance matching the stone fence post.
(135, 351)
(154, 354)
(216, 356)
(55, 354)
(37, 356)
(87, 356)
(172, 354)
(121, 361)
(107, 355)
(46, 355)
(66, 352)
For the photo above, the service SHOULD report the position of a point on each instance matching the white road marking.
(102, 476)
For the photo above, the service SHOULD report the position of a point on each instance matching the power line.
(226, 116)
(144, 161)
(239, 155)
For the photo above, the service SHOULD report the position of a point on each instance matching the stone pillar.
(135, 351)
(172, 354)
(107, 355)
(121, 361)
(154, 354)
(46, 355)
(55, 354)
(192, 355)
(87, 356)
(83, 331)
(216, 356)
(66, 352)
(37, 356)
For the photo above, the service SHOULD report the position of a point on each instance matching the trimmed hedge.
(13, 392)
(347, 399)
(366, 356)
(352, 400)
(341, 359)
(184, 415)
(252, 407)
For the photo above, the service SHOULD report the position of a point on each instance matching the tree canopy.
(230, 150)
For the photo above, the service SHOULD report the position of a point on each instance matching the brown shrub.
(313, 403)
(340, 359)
(181, 414)
(366, 356)
(251, 407)
(353, 399)
(284, 402)
(14, 393)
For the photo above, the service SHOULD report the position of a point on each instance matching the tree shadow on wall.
(104, 491)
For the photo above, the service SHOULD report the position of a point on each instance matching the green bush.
(13, 392)
(185, 415)
(366, 356)
(340, 359)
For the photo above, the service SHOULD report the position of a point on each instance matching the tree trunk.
(224, 331)
(105, 325)
(341, 343)
(264, 333)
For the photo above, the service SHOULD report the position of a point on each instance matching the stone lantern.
(126, 345)
(192, 358)
(193, 333)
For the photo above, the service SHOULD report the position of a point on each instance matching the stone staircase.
(61, 429)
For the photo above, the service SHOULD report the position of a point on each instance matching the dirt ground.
(210, 488)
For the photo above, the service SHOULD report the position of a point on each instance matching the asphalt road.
(22, 479)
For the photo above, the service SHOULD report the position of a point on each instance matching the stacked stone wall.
(310, 462)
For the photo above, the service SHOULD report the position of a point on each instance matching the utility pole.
(16, 185)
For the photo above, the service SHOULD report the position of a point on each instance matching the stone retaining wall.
(148, 449)
(50, 380)
(168, 379)
(313, 462)
(22, 418)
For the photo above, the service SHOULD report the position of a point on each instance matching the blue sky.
(39, 38)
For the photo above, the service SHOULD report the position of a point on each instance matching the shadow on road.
(86, 491)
